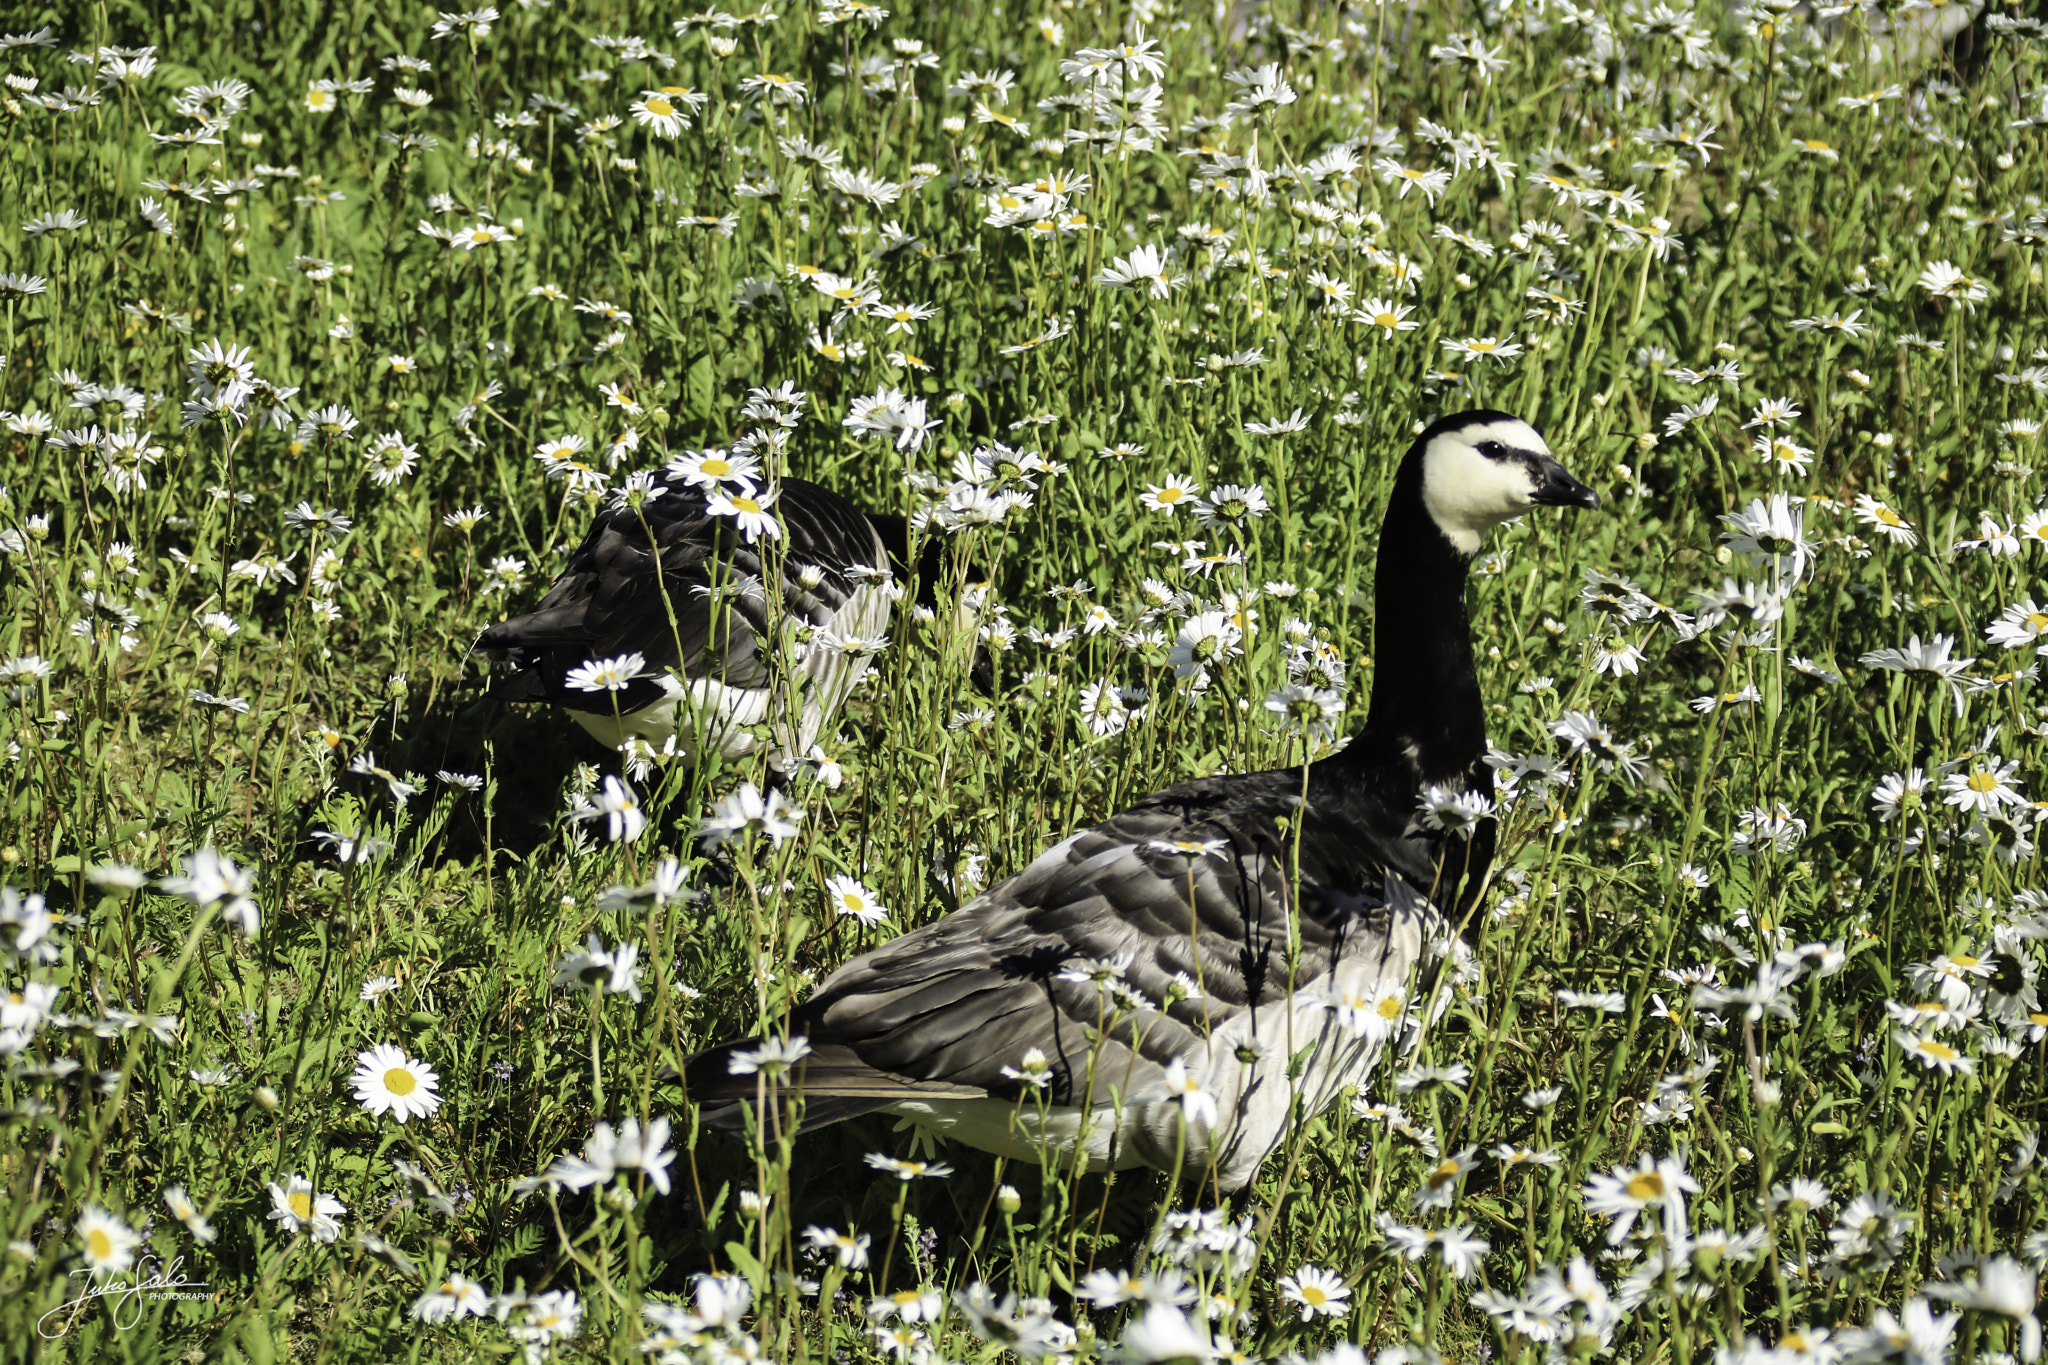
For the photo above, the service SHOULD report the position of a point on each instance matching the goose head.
(1478, 469)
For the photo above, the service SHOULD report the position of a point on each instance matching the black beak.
(1555, 487)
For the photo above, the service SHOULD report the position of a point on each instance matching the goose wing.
(1198, 939)
(681, 588)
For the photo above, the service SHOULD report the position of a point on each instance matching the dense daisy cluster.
(308, 371)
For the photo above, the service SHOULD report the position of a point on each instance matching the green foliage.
(200, 655)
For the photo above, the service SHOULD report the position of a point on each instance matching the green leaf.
(700, 389)
(749, 1268)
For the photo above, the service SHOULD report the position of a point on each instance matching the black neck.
(1426, 723)
(1425, 718)
(1425, 692)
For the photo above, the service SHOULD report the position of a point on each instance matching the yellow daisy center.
(99, 1244)
(659, 107)
(399, 1081)
(300, 1202)
(1646, 1185)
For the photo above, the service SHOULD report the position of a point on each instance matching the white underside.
(708, 717)
(1255, 1101)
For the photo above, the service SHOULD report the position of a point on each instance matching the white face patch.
(1468, 492)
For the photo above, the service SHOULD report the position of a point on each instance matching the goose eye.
(1492, 450)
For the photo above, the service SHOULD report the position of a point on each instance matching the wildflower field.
(339, 997)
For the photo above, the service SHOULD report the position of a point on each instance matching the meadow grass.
(327, 328)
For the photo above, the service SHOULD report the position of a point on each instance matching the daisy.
(709, 469)
(389, 459)
(607, 675)
(475, 22)
(748, 811)
(610, 1151)
(1847, 324)
(1198, 1104)
(185, 1211)
(109, 1243)
(481, 235)
(1692, 412)
(1430, 180)
(1884, 520)
(1170, 496)
(1208, 637)
(1305, 710)
(1234, 504)
(749, 510)
(1931, 659)
(1986, 786)
(1449, 808)
(1616, 655)
(902, 317)
(1933, 1016)
(2033, 527)
(620, 808)
(849, 897)
(1440, 1182)
(1782, 453)
(211, 878)
(2023, 624)
(1278, 426)
(455, 1297)
(1773, 412)
(1625, 1192)
(299, 1209)
(389, 1082)
(1390, 317)
(553, 1316)
(1148, 267)
(1943, 280)
(1899, 794)
(1745, 696)
(1771, 532)
(780, 89)
(1319, 1292)
(1502, 349)
(891, 412)
(851, 1251)
(1934, 1054)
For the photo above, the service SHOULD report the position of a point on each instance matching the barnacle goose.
(969, 1025)
(694, 600)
